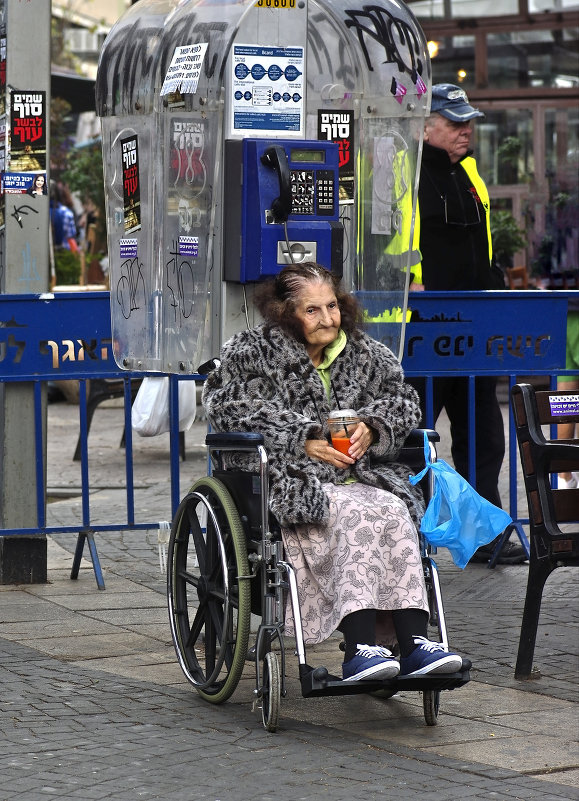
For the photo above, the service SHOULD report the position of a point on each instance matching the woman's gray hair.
(277, 298)
(290, 282)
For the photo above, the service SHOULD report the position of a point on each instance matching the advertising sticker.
(185, 69)
(338, 127)
(27, 131)
(131, 188)
(24, 183)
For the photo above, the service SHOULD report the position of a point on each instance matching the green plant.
(67, 266)
(541, 265)
(509, 149)
(60, 137)
(507, 237)
(561, 199)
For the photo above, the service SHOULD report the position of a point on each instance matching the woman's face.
(318, 312)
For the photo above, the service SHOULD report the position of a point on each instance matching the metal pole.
(24, 262)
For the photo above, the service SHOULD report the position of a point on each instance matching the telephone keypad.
(325, 192)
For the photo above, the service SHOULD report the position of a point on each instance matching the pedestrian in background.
(62, 218)
(570, 430)
(455, 248)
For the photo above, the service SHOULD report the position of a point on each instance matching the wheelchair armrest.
(412, 452)
(416, 437)
(208, 366)
(233, 441)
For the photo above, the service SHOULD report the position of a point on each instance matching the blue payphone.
(281, 206)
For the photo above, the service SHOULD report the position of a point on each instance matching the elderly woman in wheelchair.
(348, 519)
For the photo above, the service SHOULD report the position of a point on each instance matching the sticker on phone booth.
(189, 246)
(128, 248)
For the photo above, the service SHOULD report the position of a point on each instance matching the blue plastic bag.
(457, 517)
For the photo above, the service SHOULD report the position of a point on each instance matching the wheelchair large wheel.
(209, 605)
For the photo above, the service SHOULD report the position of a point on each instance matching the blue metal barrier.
(68, 336)
(510, 333)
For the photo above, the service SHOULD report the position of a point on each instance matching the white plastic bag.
(150, 411)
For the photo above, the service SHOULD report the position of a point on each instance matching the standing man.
(454, 236)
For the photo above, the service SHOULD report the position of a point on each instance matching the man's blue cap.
(451, 101)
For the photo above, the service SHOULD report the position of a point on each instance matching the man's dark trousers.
(451, 393)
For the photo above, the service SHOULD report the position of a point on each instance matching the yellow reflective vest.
(470, 168)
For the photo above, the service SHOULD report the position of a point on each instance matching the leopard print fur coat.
(267, 383)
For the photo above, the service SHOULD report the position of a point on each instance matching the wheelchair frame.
(211, 589)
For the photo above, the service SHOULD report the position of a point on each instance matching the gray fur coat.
(267, 383)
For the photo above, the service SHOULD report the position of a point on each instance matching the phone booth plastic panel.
(366, 90)
(162, 162)
(384, 83)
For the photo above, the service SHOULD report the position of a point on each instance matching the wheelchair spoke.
(214, 622)
(189, 578)
(210, 643)
(196, 627)
(198, 541)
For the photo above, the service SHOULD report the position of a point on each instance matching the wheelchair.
(226, 562)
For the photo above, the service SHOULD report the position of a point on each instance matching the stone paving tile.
(83, 718)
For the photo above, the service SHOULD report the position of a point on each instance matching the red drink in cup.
(341, 443)
(342, 424)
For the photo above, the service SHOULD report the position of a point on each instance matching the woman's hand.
(322, 451)
(360, 441)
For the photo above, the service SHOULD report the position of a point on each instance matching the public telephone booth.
(240, 136)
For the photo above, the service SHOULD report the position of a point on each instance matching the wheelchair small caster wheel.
(270, 700)
(320, 674)
(431, 705)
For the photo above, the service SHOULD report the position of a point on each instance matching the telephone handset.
(275, 157)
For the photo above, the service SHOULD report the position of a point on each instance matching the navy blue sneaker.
(370, 662)
(429, 657)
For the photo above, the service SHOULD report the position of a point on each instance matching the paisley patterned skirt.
(366, 557)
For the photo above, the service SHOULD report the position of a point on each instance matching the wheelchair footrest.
(318, 681)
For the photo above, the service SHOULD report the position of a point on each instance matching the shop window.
(533, 59)
(504, 146)
(454, 61)
(447, 9)
(557, 252)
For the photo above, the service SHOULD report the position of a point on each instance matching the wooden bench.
(553, 513)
